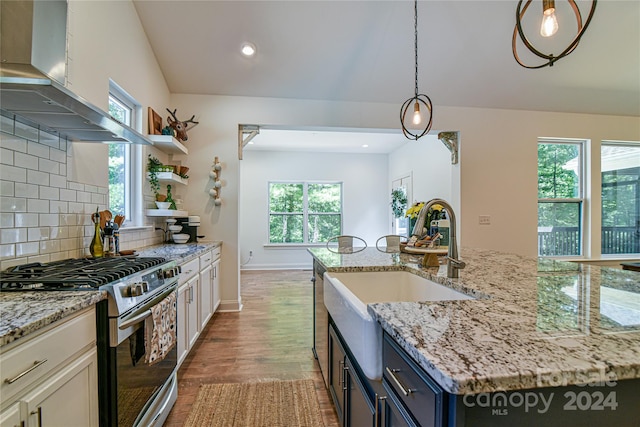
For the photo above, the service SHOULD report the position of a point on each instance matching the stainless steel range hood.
(33, 46)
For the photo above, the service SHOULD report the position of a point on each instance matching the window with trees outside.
(560, 198)
(304, 212)
(620, 171)
(125, 161)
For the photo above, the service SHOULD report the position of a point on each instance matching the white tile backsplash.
(13, 173)
(26, 161)
(45, 217)
(22, 189)
(37, 177)
(26, 219)
(7, 188)
(37, 149)
(13, 204)
(37, 205)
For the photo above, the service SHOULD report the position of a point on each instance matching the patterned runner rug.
(263, 404)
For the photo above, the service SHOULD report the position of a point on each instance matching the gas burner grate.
(73, 274)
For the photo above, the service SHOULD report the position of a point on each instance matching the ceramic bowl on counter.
(175, 228)
(163, 205)
(180, 238)
(171, 221)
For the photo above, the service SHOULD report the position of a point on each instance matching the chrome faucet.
(453, 263)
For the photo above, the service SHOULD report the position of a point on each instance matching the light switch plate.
(484, 220)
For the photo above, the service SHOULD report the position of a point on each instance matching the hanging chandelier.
(415, 124)
(548, 28)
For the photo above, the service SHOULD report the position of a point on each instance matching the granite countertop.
(22, 313)
(180, 252)
(535, 322)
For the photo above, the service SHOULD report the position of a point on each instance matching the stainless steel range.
(135, 389)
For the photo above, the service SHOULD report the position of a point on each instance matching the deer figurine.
(181, 127)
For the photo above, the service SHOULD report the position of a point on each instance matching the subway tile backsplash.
(43, 216)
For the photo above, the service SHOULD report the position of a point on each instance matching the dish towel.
(160, 330)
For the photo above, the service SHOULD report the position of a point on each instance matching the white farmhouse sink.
(346, 296)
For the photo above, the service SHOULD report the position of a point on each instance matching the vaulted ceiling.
(363, 51)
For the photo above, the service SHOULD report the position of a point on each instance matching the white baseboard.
(227, 306)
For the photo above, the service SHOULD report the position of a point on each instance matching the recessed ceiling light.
(365, 145)
(248, 49)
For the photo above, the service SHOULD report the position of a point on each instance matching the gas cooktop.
(73, 274)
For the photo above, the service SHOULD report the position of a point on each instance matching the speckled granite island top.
(536, 323)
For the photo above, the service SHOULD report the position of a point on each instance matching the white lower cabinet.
(50, 378)
(198, 298)
(188, 308)
(10, 417)
(66, 399)
(215, 273)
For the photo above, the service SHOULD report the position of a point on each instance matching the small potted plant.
(153, 167)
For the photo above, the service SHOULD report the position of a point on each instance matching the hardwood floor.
(271, 338)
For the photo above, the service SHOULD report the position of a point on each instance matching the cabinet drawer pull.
(341, 373)
(377, 414)
(22, 374)
(345, 369)
(405, 391)
(39, 412)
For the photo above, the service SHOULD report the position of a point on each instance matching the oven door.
(136, 382)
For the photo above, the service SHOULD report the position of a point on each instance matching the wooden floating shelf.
(168, 144)
(166, 212)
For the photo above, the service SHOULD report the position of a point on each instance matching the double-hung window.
(560, 197)
(620, 172)
(304, 212)
(124, 168)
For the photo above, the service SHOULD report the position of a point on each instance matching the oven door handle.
(145, 311)
(134, 320)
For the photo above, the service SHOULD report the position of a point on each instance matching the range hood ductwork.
(33, 39)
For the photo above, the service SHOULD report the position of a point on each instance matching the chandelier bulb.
(417, 118)
(549, 21)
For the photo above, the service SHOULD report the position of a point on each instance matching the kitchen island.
(534, 324)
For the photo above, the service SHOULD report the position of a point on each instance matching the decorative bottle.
(170, 198)
(96, 248)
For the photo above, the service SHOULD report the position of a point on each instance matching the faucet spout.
(453, 262)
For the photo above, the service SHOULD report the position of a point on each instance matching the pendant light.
(421, 116)
(548, 28)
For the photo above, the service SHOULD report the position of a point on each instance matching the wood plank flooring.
(270, 339)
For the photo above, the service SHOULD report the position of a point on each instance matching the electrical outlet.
(484, 220)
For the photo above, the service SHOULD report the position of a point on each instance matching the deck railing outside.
(561, 241)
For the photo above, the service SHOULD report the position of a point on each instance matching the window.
(119, 159)
(303, 212)
(124, 160)
(560, 198)
(620, 171)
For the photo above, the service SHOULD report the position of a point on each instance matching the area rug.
(261, 404)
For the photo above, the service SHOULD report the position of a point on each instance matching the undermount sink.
(346, 296)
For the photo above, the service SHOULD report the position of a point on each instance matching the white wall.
(429, 162)
(365, 197)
